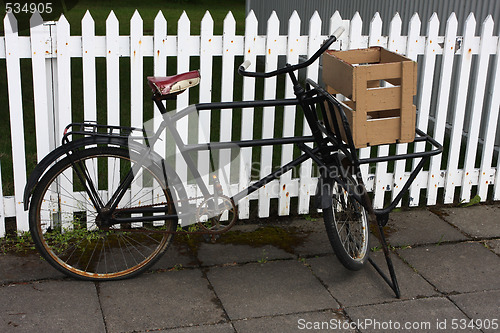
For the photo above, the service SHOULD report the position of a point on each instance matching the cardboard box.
(379, 86)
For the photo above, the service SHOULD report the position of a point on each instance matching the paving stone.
(219, 254)
(16, 268)
(297, 322)
(316, 242)
(424, 313)
(158, 301)
(366, 286)
(219, 328)
(273, 288)
(50, 306)
(462, 267)
(481, 306)
(477, 221)
(494, 245)
(419, 227)
(178, 254)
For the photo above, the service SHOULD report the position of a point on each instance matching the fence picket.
(306, 184)
(112, 78)
(39, 34)
(435, 175)
(247, 115)
(336, 22)
(412, 47)
(477, 107)
(136, 91)
(453, 174)
(424, 101)
(375, 39)
(88, 64)
(227, 85)
(268, 114)
(289, 115)
(356, 41)
(63, 106)
(159, 69)
(89, 84)
(183, 40)
(2, 210)
(486, 174)
(206, 62)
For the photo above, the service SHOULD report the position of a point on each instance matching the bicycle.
(106, 207)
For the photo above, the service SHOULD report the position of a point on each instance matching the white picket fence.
(51, 48)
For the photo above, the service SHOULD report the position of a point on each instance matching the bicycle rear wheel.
(67, 229)
(346, 224)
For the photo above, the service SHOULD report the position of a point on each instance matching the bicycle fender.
(60, 151)
(324, 192)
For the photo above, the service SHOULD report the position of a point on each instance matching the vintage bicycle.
(105, 206)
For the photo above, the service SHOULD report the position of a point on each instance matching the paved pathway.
(447, 261)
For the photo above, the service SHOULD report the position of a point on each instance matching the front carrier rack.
(331, 125)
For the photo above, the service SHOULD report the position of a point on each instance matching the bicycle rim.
(351, 223)
(65, 224)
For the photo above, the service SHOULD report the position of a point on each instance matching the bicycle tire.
(346, 224)
(64, 224)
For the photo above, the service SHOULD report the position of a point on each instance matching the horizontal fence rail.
(449, 62)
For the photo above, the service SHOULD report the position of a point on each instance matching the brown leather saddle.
(167, 86)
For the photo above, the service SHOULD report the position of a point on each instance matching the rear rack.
(91, 128)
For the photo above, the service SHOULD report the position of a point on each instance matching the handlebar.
(242, 70)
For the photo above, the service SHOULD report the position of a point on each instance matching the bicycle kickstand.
(393, 281)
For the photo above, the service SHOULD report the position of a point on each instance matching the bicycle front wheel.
(67, 229)
(346, 224)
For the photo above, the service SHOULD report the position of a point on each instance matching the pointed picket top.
(315, 25)
(229, 30)
(294, 24)
(470, 25)
(376, 22)
(136, 17)
(294, 19)
(335, 21)
(62, 27)
(375, 35)
(487, 26)
(396, 24)
(160, 19)
(207, 21)
(10, 23)
(413, 37)
(273, 22)
(315, 19)
(111, 20)
(36, 20)
(183, 19)
(452, 19)
(355, 39)
(251, 18)
(251, 31)
(87, 17)
(394, 42)
(207, 33)
(433, 26)
(356, 18)
(229, 19)
(88, 30)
